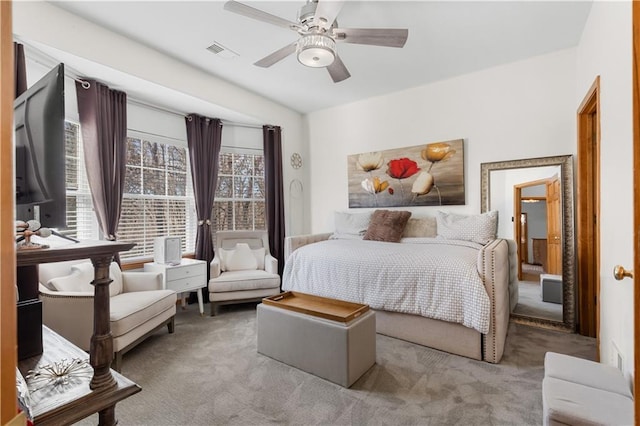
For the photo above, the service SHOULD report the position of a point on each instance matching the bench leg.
(171, 325)
(213, 309)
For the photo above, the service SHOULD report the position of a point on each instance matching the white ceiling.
(446, 39)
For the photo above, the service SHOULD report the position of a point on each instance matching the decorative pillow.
(387, 225)
(424, 227)
(258, 253)
(480, 228)
(77, 281)
(350, 225)
(241, 258)
(86, 268)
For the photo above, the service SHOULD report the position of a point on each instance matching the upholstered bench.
(578, 391)
(338, 351)
(551, 288)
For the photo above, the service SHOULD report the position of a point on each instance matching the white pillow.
(86, 268)
(480, 228)
(77, 281)
(423, 227)
(241, 258)
(258, 253)
(351, 225)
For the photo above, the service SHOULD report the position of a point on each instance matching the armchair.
(242, 269)
(138, 304)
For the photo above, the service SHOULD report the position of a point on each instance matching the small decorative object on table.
(25, 230)
(24, 398)
(59, 374)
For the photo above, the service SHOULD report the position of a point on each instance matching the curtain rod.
(182, 114)
(40, 57)
(184, 140)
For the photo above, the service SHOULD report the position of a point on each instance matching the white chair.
(242, 269)
(138, 304)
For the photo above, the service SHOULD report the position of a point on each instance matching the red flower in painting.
(402, 168)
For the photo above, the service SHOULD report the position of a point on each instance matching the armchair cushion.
(243, 280)
(129, 310)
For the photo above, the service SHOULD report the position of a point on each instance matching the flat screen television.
(40, 151)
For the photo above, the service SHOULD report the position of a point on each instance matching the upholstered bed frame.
(493, 267)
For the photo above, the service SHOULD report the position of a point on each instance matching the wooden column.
(8, 345)
(101, 349)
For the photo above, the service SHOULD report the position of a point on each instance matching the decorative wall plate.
(296, 160)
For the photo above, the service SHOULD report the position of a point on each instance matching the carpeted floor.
(209, 373)
(530, 303)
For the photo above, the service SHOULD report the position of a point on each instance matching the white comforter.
(430, 277)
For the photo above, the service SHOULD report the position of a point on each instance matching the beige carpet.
(209, 373)
(530, 303)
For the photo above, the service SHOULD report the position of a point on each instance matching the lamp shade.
(316, 50)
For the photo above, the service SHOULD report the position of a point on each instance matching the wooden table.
(57, 403)
(104, 383)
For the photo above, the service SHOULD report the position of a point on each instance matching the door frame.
(636, 202)
(588, 214)
(517, 210)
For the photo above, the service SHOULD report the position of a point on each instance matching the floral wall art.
(431, 174)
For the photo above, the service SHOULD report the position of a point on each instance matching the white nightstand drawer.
(186, 284)
(178, 273)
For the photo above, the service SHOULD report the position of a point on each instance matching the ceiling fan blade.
(257, 14)
(389, 37)
(326, 12)
(338, 71)
(276, 56)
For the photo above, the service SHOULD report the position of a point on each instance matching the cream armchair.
(138, 304)
(242, 269)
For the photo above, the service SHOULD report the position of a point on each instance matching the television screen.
(40, 151)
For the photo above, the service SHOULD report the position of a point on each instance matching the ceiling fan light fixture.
(316, 50)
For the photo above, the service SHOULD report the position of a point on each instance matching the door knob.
(620, 273)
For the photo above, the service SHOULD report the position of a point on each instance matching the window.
(81, 221)
(157, 200)
(239, 203)
(158, 196)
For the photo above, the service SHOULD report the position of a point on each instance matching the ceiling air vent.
(221, 51)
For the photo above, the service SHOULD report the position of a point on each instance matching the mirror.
(534, 200)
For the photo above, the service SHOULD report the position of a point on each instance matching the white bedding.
(430, 277)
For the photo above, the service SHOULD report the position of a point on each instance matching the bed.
(448, 294)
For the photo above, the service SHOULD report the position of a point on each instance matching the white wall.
(41, 22)
(519, 110)
(605, 49)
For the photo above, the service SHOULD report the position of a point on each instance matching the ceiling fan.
(319, 33)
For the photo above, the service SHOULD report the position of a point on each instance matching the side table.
(189, 275)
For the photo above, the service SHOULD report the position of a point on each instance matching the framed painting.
(431, 174)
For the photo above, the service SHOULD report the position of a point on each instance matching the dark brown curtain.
(20, 71)
(272, 137)
(103, 120)
(204, 137)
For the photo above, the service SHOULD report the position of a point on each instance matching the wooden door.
(517, 229)
(524, 239)
(554, 227)
(636, 207)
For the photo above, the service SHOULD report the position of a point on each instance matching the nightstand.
(189, 275)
